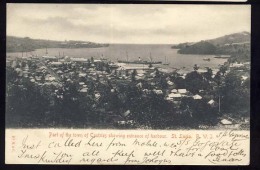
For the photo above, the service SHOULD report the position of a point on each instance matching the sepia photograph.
(128, 84)
(128, 66)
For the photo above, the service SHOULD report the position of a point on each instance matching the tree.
(107, 68)
(157, 73)
(180, 83)
(25, 105)
(88, 63)
(218, 78)
(127, 73)
(163, 83)
(208, 74)
(223, 69)
(236, 96)
(134, 73)
(195, 67)
(194, 82)
(98, 78)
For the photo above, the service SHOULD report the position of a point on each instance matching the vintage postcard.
(128, 84)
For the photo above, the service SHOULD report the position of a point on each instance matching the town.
(64, 91)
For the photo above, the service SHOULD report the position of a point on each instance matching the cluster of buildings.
(52, 70)
(88, 74)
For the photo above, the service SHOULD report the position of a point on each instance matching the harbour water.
(134, 51)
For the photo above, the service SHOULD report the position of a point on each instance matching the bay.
(120, 52)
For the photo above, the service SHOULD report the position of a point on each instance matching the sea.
(132, 52)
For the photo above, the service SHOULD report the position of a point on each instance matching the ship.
(220, 56)
(206, 59)
(139, 61)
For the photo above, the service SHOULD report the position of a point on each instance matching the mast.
(219, 103)
(127, 57)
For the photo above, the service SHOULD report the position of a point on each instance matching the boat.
(166, 63)
(139, 61)
(113, 65)
(220, 56)
(102, 58)
(206, 59)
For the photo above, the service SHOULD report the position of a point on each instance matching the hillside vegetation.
(227, 44)
(17, 44)
(202, 47)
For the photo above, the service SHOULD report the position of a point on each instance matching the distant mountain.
(18, 44)
(240, 37)
(227, 44)
(182, 45)
(202, 47)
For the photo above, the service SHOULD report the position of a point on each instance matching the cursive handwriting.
(220, 148)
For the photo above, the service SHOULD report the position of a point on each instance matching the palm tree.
(195, 67)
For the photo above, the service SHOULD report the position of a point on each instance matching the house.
(174, 91)
(157, 91)
(59, 72)
(126, 113)
(97, 96)
(25, 73)
(182, 91)
(84, 90)
(43, 68)
(201, 70)
(74, 59)
(229, 124)
(244, 77)
(212, 103)
(81, 83)
(197, 97)
(225, 122)
(174, 97)
(97, 61)
(139, 85)
(170, 83)
(52, 58)
(236, 65)
(56, 63)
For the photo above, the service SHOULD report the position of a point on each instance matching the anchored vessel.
(139, 61)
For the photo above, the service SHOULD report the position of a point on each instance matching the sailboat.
(166, 62)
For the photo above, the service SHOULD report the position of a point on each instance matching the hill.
(227, 44)
(26, 44)
(202, 47)
(231, 38)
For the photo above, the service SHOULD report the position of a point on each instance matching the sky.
(126, 23)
